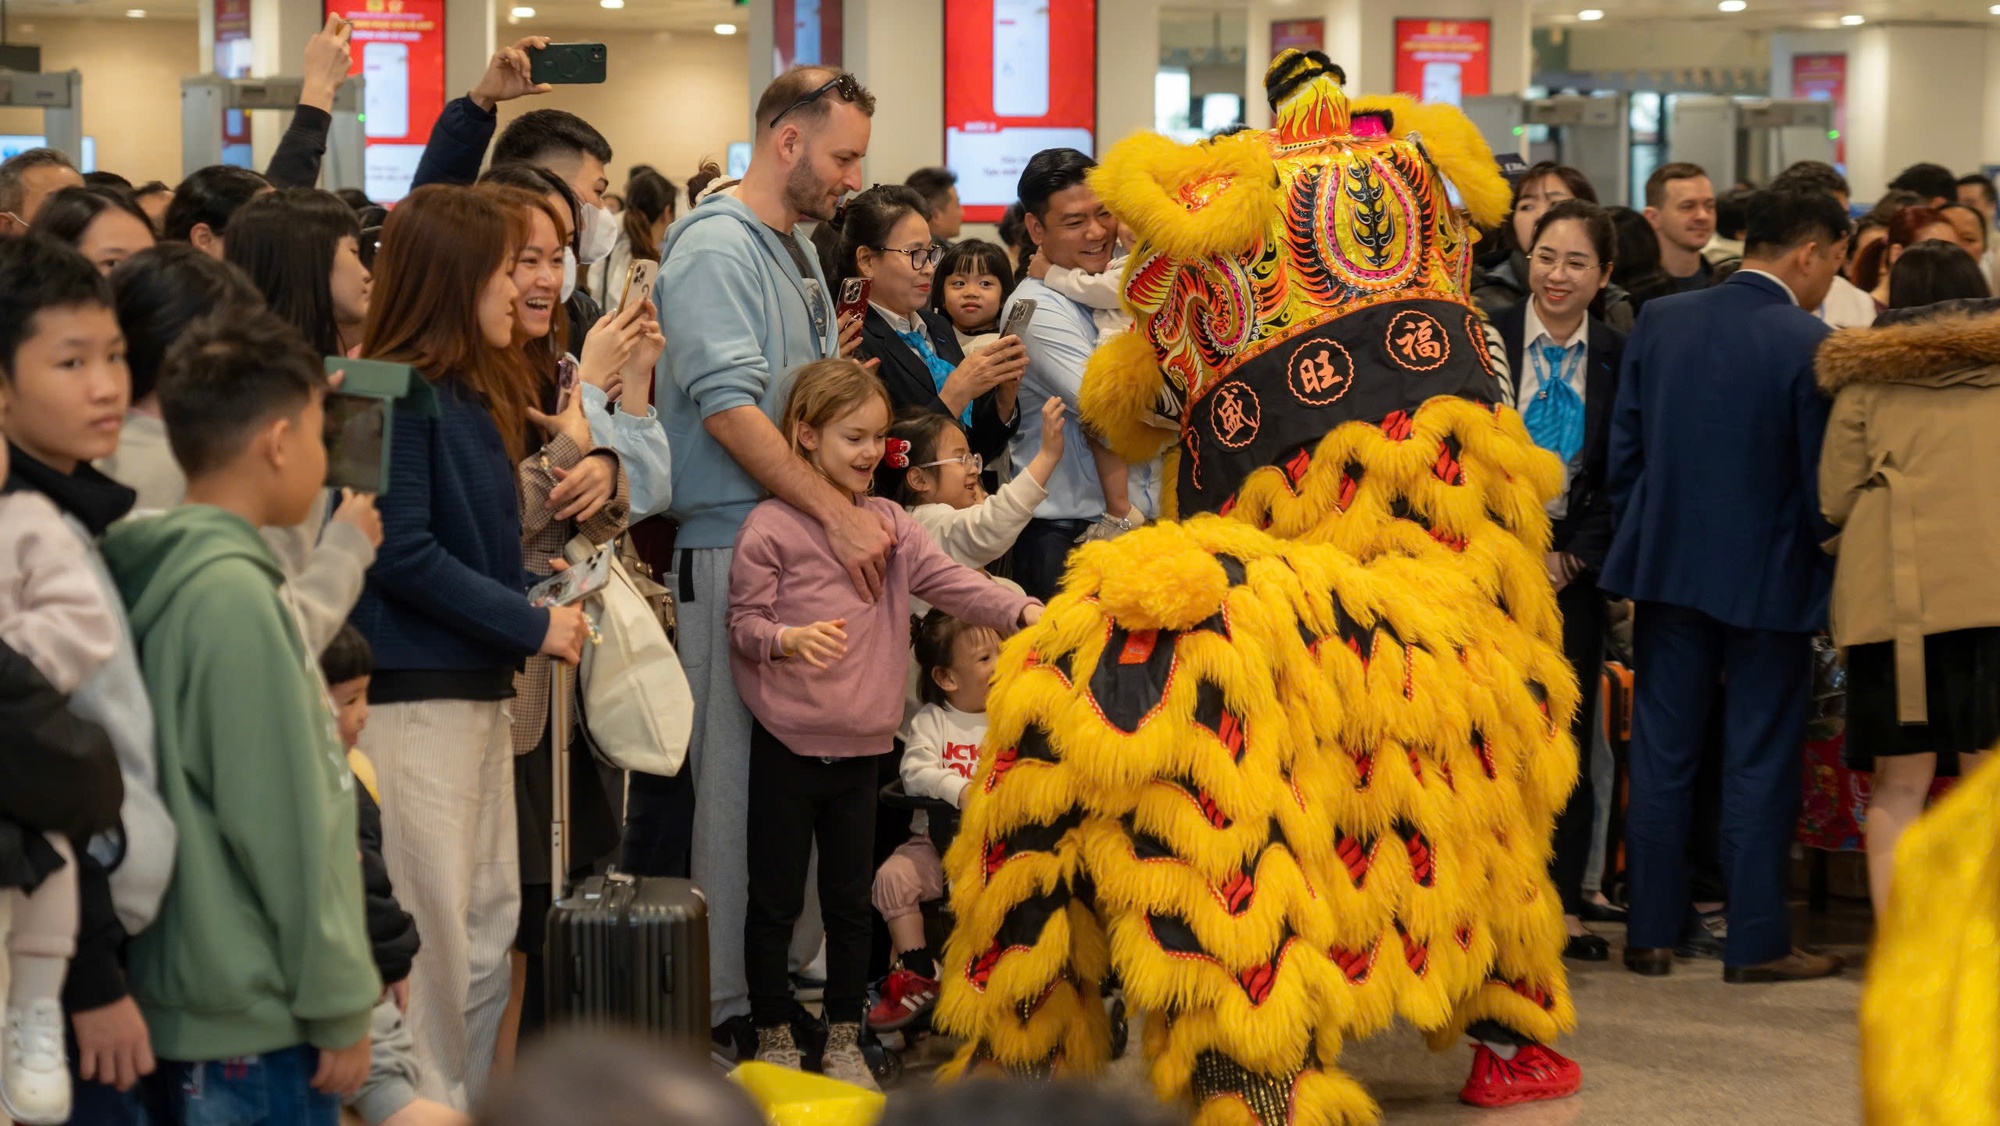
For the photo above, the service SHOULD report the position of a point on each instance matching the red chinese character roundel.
(1319, 372)
(1417, 341)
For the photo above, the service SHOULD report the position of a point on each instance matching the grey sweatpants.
(719, 755)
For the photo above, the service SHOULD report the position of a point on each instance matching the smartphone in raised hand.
(638, 281)
(567, 64)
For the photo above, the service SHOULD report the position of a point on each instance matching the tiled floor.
(1684, 1049)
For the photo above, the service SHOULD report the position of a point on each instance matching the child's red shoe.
(906, 999)
(1535, 1073)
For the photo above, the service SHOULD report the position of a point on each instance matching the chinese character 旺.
(1318, 374)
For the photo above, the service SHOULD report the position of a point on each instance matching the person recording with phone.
(569, 486)
(885, 238)
(447, 614)
(614, 364)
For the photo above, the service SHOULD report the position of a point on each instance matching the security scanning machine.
(205, 98)
(1751, 139)
(1589, 132)
(60, 98)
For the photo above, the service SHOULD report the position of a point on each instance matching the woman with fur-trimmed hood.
(1910, 473)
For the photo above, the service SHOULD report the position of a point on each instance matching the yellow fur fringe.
(1456, 147)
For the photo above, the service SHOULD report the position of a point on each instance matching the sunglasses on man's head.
(846, 84)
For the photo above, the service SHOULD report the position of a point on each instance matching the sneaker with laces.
(775, 1046)
(907, 997)
(1534, 1074)
(34, 1078)
(843, 1059)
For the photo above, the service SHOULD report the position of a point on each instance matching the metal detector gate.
(204, 98)
(60, 98)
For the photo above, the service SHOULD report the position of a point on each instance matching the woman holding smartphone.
(615, 359)
(447, 614)
(885, 238)
(556, 505)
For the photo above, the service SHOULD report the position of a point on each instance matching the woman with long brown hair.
(447, 615)
(1907, 227)
(571, 485)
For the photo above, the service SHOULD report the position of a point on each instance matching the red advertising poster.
(1823, 78)
(399, 50)
(806, 33)
(1444, 60)
(232, 60)
(1020, 76)
(1297, 35)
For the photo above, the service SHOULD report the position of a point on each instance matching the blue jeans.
(274, 1089)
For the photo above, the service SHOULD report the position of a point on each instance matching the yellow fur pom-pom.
(1190, 202)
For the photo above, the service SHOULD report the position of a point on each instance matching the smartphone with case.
(1018, 317)
(579, 581)
(567, 64)
(638, 281)
(854, 297)
(357, 442)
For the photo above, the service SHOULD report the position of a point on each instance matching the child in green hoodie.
(256, 980)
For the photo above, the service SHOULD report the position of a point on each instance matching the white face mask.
(600, 231)
(569, 274)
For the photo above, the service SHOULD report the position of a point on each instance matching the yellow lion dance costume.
(1289, 768)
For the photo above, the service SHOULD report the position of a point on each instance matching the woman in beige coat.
(1911, 474)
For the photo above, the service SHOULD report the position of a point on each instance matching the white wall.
(1621, 45)
(674, 98)
(132, 71)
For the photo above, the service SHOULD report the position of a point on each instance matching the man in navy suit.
(1713, 473)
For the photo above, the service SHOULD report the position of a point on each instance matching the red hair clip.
(898, 456)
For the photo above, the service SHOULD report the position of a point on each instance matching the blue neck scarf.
(941, 368)
(1554, 417)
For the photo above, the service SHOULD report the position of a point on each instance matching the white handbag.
(636, 702)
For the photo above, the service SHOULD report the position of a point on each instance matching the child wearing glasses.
(929, 468)
(1102, 294)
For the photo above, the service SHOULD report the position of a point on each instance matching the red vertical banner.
(1444, 60)
(1020, 76)
(1297, 35)
(806, 33)
(1823, 78)
(232, 60)
(398, 49)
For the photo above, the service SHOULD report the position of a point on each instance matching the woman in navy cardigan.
(885, 236)
(1563, 362)
(447, 614)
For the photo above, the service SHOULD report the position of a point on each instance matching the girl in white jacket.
(929, 468)
(940, 754)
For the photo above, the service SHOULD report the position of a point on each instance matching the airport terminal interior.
(1411, 187)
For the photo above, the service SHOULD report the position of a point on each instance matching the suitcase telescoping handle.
(561, 677)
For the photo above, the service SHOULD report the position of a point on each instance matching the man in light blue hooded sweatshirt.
(743, 303)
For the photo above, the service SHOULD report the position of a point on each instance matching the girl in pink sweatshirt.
(821, 670)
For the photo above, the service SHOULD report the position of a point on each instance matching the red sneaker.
(906, 998)
(1535, 1073)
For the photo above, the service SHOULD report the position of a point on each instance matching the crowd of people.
(226, 675)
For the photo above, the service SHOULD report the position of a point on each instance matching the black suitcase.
(623, 951)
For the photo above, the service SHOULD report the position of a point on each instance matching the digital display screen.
(1020, 76)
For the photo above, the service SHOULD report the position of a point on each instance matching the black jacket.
(58, 774)
(391, 932)
(910, 383)
(1585, 531)
(457, 145)
(300, 150)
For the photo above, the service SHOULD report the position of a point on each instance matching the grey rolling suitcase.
(624, 951)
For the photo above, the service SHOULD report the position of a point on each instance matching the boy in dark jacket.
(389, 1095)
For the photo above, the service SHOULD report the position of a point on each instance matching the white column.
(896, 49)
(469, 41)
